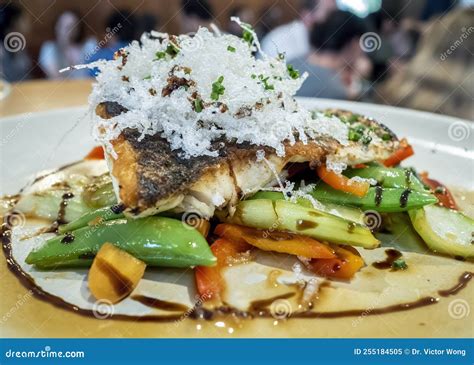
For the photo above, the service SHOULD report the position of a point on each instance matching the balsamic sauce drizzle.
(378, 195)
(258, 308)
(392, 256)
(404, 198)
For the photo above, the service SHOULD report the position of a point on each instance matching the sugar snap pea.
(377, 198)
(158, 241)
(388, 177)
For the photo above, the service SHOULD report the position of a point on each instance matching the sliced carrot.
(97, 153)
(343, 183)
(445, 198)
(344, 266)
(405, 151)
(209, 281)
(277, 241)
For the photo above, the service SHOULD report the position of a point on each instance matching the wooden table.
(40, 95)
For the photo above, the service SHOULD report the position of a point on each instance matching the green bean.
(158, 241)
(389, 177)
(377, 198)
(93, 218)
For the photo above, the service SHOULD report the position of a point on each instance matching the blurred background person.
(334, 58)
(146, 23)
(293, 38)
(440, 76)
(269, 19)
(67, 49)
(15, 63)
(121, 29)
(195, 14)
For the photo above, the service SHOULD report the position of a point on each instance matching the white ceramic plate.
(35, 142)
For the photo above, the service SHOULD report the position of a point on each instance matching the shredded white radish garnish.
(196, 90)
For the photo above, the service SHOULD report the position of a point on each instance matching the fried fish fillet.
(150, 178)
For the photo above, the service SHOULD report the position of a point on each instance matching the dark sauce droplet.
(378, 195)
(404, 198)
(351, 227)
(118, 208)
(302, 225)
(62, 208)
(392, 255)
(87, 256)
(68, 238)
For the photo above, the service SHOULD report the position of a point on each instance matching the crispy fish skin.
(150, 178)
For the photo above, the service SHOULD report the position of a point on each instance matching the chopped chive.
(247, 34)
(399, 264)
(366, 139)
(354, 135)
(386, 137)
(294, 74)
(231, 49)
(160, 55)
(198, 105)
(265, 83)
(217, 88)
